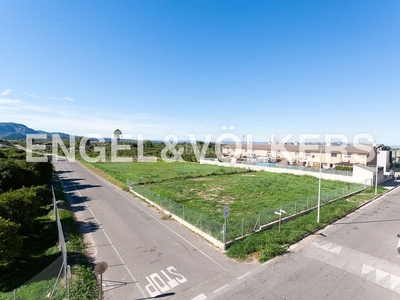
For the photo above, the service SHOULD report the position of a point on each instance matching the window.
(308, 153)
(346, 156)
(333, 154)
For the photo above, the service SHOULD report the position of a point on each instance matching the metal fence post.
(224, 234)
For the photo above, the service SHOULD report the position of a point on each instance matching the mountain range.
(14, 131)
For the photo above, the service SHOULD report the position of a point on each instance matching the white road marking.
(243, 276)
(336, 250)
(376, 270)
(221, 288)
(158, 284)
(366, 269)
(326, 246)
(329, 247)
(395, 280)
(368, 273)
(108, 238)
(380, 274)
(200, 297)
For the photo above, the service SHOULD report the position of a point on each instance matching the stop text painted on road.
(159, 284)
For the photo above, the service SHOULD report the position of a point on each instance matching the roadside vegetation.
(149, 148)
(28, 232)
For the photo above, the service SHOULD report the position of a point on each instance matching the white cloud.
(10, 101)
(66, 116)
(69, 99)
(31, 95)
(55, 98)
(6, 92)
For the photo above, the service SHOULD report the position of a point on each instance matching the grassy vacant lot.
(207, 189)
(270, 243)
(143, 173)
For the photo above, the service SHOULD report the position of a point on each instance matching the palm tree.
(117, 134)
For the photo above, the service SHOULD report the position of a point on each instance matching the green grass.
(207, 189)
(270, 243)
(40, 251)
(144, 173)
(246, 194)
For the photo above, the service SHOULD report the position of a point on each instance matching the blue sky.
(191, 67)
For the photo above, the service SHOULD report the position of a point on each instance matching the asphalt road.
(147, 256)
(355, 258)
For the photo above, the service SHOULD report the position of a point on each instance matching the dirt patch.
(254, 257)
(199, 179)
(210, 194)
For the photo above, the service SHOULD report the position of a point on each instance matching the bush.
(270, 251)
(10, 241)
(17, 174)
(22, 206)
(83, 286)
(344, 168)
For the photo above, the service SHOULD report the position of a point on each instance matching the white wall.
(355, 179)
(384, 160)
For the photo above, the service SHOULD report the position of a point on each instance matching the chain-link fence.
(52, 282)
(201, 221)
(238, 228)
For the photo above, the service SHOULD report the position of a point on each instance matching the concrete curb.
(181, 221)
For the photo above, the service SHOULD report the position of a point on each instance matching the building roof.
(359, 149)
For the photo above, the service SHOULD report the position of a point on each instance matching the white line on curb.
(243, 276)
(200, 297)
(221, 288)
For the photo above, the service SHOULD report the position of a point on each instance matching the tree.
(11, 241)
(16, 174)
(22, 206)
(117, 134)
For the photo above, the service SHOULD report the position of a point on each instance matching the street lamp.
(376, 169)
(319, 185)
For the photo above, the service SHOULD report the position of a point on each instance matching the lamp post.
(319, 185)
(376, 177)
(376, 169)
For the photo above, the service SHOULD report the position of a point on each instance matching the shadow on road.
(366, 222)
(112, 284)
(73, 184)
(158, 296)
(87, 226)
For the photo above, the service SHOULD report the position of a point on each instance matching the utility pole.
(319, 185)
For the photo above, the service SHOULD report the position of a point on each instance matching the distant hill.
(14, 131)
